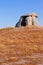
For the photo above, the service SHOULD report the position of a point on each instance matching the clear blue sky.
(11, 10)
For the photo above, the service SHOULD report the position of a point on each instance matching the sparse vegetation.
(21, 46)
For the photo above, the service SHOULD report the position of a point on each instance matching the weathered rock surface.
(21, 46)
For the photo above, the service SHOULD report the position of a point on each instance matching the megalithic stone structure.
(28, 20)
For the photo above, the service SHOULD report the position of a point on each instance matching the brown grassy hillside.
(21, 46)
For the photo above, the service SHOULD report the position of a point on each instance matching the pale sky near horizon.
(11, 10)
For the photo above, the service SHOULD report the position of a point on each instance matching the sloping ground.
(21, 46)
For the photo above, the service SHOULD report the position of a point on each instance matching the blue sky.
(11, 10)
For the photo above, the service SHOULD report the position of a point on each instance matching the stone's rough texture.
(28, 20)
(21, 46)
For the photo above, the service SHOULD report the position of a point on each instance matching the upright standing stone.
(34, 19)
(28, 20)
(19, 22)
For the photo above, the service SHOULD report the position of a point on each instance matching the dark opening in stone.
(23, 23)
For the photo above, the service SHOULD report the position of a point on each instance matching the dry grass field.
(21, 46)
